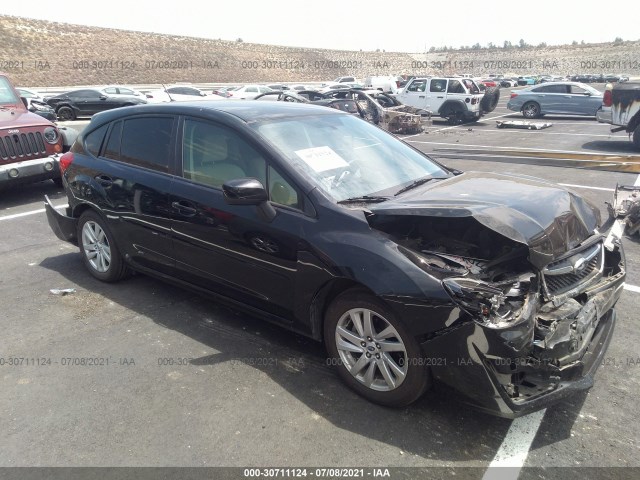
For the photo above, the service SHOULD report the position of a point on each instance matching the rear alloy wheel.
(373, 352)
(66, 114)
(531, 110)
(99, 251)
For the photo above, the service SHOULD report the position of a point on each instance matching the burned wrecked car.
(501, 286)
(386, 111)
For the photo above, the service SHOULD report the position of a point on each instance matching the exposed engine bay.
(553, 311)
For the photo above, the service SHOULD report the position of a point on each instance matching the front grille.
(22, 146)
(574, 270)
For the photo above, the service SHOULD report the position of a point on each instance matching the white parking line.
(637, 184)
(515, 447)
(632, 288)
(30, 212)
(520, 148)
(538, 132)
(585, 186)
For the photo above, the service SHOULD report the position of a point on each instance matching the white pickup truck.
(621, 108)
(456, 99)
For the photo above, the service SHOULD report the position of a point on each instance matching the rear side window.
(93, 141)
(146, 142)
(438, 85)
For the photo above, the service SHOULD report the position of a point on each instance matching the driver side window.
(213, 154)
(281, 191)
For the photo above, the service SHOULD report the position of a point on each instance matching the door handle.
(184, 209)
(440, 97)
(421, 96)
(104, 180)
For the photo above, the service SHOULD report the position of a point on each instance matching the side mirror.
(25, 102)
(588, 94)
(103, 97)
(249, 191)
(244, 191)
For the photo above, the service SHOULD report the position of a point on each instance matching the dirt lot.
(145, 374)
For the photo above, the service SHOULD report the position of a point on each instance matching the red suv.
(29, 144)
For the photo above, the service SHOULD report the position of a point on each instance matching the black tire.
(636, 137)
(454, 117)
(490, 100)
(531, 110)
(107, 271)
(406, 389)
(65, 114)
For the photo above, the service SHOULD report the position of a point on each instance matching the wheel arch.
(450, 106)
(324, 296)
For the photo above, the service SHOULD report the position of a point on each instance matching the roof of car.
(246, 110)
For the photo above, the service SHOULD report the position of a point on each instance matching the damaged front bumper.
(65, 227)
(551, 351)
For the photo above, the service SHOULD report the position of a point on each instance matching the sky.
(403, 26)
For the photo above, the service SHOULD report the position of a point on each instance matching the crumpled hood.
(547, 218)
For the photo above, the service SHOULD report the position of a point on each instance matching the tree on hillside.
(507, 44)
(618, 41)
(575, 42)
(522, 43)
(239, 40)
(542, 44)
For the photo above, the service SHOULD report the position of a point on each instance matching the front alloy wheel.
(372, 351)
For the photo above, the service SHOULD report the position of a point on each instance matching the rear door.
(583, 102)
(436, 94)
(232, 249)
(133, 182)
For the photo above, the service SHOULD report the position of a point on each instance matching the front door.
(233, 249)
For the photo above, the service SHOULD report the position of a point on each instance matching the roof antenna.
(167, 92)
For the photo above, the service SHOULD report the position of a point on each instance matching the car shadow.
(436, 427)
(15, 195)
(622, 146)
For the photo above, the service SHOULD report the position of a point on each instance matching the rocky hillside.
(41, 54)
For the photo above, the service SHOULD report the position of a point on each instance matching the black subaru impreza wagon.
(501, 286)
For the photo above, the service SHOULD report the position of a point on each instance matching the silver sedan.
(562, 98)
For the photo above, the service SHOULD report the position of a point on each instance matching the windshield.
(348, 157)
(7, 94)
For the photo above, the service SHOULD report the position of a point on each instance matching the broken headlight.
(493, 305)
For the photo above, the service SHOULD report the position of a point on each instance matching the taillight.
(65, 161)
(513, 95)
(606, 100)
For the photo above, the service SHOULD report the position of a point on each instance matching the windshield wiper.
(364, 199)
(415, 183)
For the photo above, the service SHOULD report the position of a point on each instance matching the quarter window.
(112, 148)
(93, 140)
